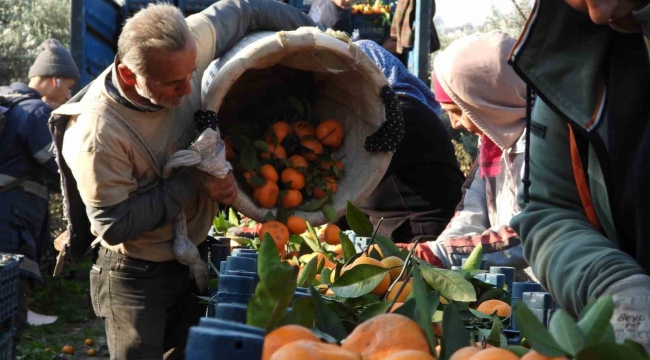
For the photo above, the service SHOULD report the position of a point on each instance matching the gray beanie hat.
(54, 60)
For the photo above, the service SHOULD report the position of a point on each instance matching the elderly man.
(133, 117)
(585, 224)
(27, 163)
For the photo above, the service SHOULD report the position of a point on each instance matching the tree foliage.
(24, 25)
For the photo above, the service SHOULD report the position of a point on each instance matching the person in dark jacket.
(333, 14)
(422, 186)
(27, 163)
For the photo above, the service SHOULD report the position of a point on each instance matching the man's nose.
(186, 87)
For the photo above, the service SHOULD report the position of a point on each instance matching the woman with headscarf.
(422, 185)
(482, 93)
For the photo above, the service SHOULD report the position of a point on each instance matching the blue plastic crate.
(8, 286)
(224, 340)
(7, 344)
(371, 27)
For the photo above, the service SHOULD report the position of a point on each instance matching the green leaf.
(313, 244)
(261, 146)
(314, 205)
(408, 309)
(566, 332)
(269, 217)
(638, 347)
(232, 217)
(326, 320)
(272, 296)
(520, 351)
(268, 256)
(257, 180)
(248, 158)
(535, 332)
(314, 236)
(494, 337)
(329, 212)
(450, 284)
(296, 239)
(607, 351)
(358, 281)
(480, 315)
(595, 322)
(281, 215)
(387, 246)
(348, 247)
(302, 313)
(491, 294)
(325, 275)
(474, 260)
(373, 310)
(454, 335)
(297, 105)
(308, 273)
(358, 221)
(424, 308)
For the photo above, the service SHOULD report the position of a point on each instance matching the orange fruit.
(277, 151)
(382, 287)
(411, 355)
(268, 172)
(298, 161)
(330, 183)
(296, 225)
(68, 350)
(307, 349)
(338, 250)
(393, 262)
(281, 130)
(285, 335)
(396, 306)
(494, 354)
(534, 355)
(403, 295)
(437, 328)
(331, 235)
(247, 176)
(89, 342)
(267, 195)
(293, 176)
(330, 133)
(386, 334)
(303, 128)
(230, 152)
(92, 352)
(328, 263)
(464, 353)
(292, 199)
(278, 232)
(314, 148)
(490, 306)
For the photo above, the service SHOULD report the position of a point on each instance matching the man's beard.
(143, 91)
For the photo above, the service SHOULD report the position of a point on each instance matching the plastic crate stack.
(531, 293)
(224, 335)
(8, 303)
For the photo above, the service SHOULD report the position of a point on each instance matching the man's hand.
(616, 13)
(222, 190)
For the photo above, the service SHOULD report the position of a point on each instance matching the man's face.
(616, 13)
(60, 91)
(169, 76)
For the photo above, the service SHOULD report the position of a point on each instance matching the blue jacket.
(25, 150)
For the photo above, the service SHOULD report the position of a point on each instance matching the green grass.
(68, 298)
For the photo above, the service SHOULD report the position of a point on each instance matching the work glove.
(631, 319)
(422, 251)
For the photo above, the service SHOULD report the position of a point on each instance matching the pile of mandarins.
(383, 337)
(289, 178)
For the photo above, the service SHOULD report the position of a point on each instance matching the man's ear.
(126, 74)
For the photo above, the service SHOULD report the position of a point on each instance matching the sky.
(459, 12)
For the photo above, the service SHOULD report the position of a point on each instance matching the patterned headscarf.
(399, 78)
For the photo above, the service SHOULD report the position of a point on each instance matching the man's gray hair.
(160, 26)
